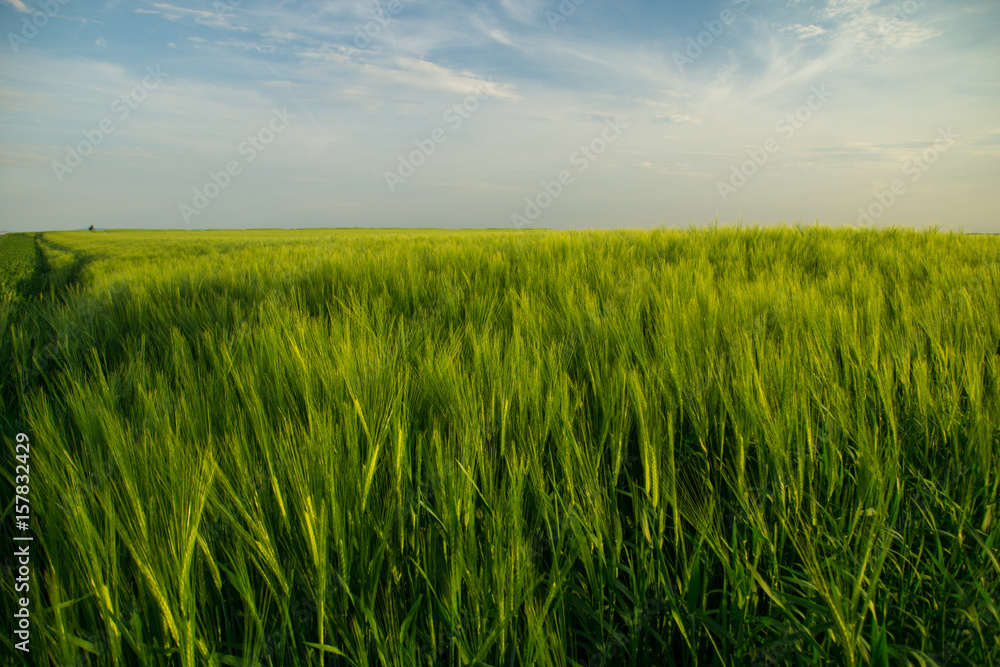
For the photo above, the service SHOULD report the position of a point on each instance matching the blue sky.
(505, 114)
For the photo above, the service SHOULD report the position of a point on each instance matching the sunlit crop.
(715, 447)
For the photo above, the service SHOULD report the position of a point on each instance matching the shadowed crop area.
(711, 447)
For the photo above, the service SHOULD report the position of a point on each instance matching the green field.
(708, 447)
(17, 262)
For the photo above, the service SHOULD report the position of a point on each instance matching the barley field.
(726, 446)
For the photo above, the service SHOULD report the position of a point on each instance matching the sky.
(510, 114)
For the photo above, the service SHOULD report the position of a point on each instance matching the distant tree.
(91, 228)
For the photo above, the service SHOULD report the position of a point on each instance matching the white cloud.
(372, 102)
(20, 158)
(15, 100)
(862, 26)
(836, 8)
(174, 13)
(409, 72)
(501, 37)
(18, 5)
(524, 11)
(805, 31)
(677, 118)
(492, 32)
(247, 45)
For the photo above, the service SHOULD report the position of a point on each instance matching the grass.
(17, 280)
(17, 260)
(716, 447)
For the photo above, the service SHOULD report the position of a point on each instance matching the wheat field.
(726, 446)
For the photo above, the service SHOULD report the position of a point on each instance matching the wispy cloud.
(364, 103)
(871, 28)
(205, 18)
(805, 31)
(677, 118)
(525, 11)
(19, 158)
